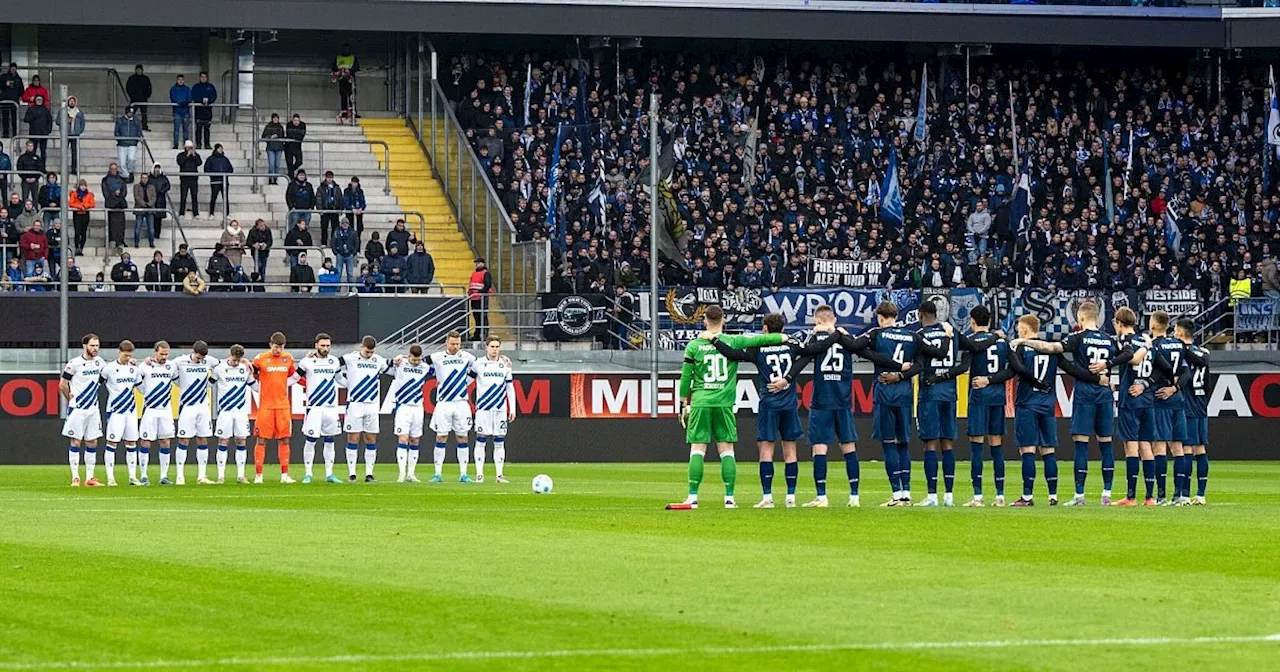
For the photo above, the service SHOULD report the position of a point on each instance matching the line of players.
(1162, 403)
(271, 374)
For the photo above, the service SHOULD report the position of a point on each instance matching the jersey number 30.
(715, 368)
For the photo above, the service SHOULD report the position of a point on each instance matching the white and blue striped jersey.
(232, 383)
(493, 383)
(362, 377)
(452, 375)
(321, 374)
(193, 380)
(83, 375)
(406, 387)
(157, 385)
(121, 380)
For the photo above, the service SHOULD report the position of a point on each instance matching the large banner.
(569, 316)
(845, 273)
(1176, 302)
(1257, 315)
(681, 309)
(854, 308)
(1055, 308)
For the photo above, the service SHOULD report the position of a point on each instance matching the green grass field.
(598, 576)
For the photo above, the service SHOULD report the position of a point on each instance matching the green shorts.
(710, 424)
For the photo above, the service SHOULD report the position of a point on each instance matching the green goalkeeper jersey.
(710, 376)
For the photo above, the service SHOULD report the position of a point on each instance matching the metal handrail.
(434, 322)
(422, 219)
(1219, 315)
(84, 136)
(289, 73)
(386, 152)
(177, 221)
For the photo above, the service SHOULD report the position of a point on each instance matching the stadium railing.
(158, 108)
(321, 142)
(19, 143)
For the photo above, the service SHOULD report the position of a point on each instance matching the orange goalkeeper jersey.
(273, 379)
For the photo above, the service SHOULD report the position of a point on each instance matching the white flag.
(1273, 121)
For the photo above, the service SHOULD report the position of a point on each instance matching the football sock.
(891, 466)
(1202, 473)
(948, 470)
(242, 455)
(791, 471)
(1028, 474)
(109, 462)
(370, 458)
(695, 473)
(439, 457)
(131, 461)
(283, 449)
(1162, 476)
(413, 459)
(1187, 461)
(975, 466)
(1081, 458)
(164, 462)
(308, 454)
(820, 474)
(931, 471)
(1108, 465)
(853, 470)
(73, 458)
(353, 454)
(90, 461)
(330, 453)
(766, 477)
(997, 469)
(402, 458)
(481, 444)
(1051, 473)
(499, 454)
(144, 459)
(729, 472)
(202, 459)
(1131, 465)
(1149, 476)
(904, 467)
(180, 458)
(259, 457)
(464, 457)
(222, 462)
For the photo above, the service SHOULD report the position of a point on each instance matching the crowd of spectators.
(826, 128)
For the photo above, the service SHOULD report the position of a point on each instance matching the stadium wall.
(605, 418)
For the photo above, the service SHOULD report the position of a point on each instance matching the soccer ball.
(542, 484)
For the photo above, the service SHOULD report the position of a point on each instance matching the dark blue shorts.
(1171, 424)
(1034, 428)
(1093, 419)
(772, 424)
(1197, 431)
(831, 427)
(891, 423)
(937, 420)
(986, 420)
(1137, 424)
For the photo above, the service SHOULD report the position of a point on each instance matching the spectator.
(204, 95)
(345, 247)
(115, 201)
(14, 278)
(300, 196)
(1267, 271)
(296, 241)
(6, 165)
(124, 275)
(189, 165)
(296, 131)
(180, 96)
(257, 282)
(27, 216)
(144, 200)
(422, 269)
(302, 278)
(345, 67)
(138, 89)
(35, 93)
(259, 240)
(183, 263)
(54, 235)
(328, 197)
(218, 166)
(370, 279)
(623, 311)
(10, 92)
(157, 276)
(399, 237)
(38, 280)
(9, 231)
(220, 270)
(192, 285)
(394, 268)
(478, 290)
(240, 280)
(128, 134)
(273, 132)
(35, 246)
(328, 278)
(74, 277)
(353, 202)
(373, 250)
(40, 124)
(80, 201)
(161, 183)
(233, 243)
(99, 283)
(49, 198)
(75, 128)
(979, 226)
(31, 168)
(1241, 286)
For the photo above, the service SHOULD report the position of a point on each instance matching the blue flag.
(1020, 210)
(891, 192)
(921, 115)
(553, 188)
(1172, 232)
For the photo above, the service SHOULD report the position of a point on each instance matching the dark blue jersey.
(1133, 373)
(989, 358)
(1088, 347)
(900, 345)
(1169, 365)
(772, 361)
(833, 378)
(1196, 394)
(938, 380)
(1036, 375)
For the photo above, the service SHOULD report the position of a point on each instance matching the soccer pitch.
(598, 576)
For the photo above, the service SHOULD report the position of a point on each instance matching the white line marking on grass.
(628, 653)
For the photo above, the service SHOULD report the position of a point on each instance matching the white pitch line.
(629, 653)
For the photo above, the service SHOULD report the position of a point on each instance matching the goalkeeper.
(708, 392)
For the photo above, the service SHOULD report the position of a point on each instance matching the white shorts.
(322, 421)
(157, 424)
(451, 416)
(193, 421)
(409, 420)
(491, 423)
(361, 417)
(83, 424)
(122, 427)
(232, 424)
